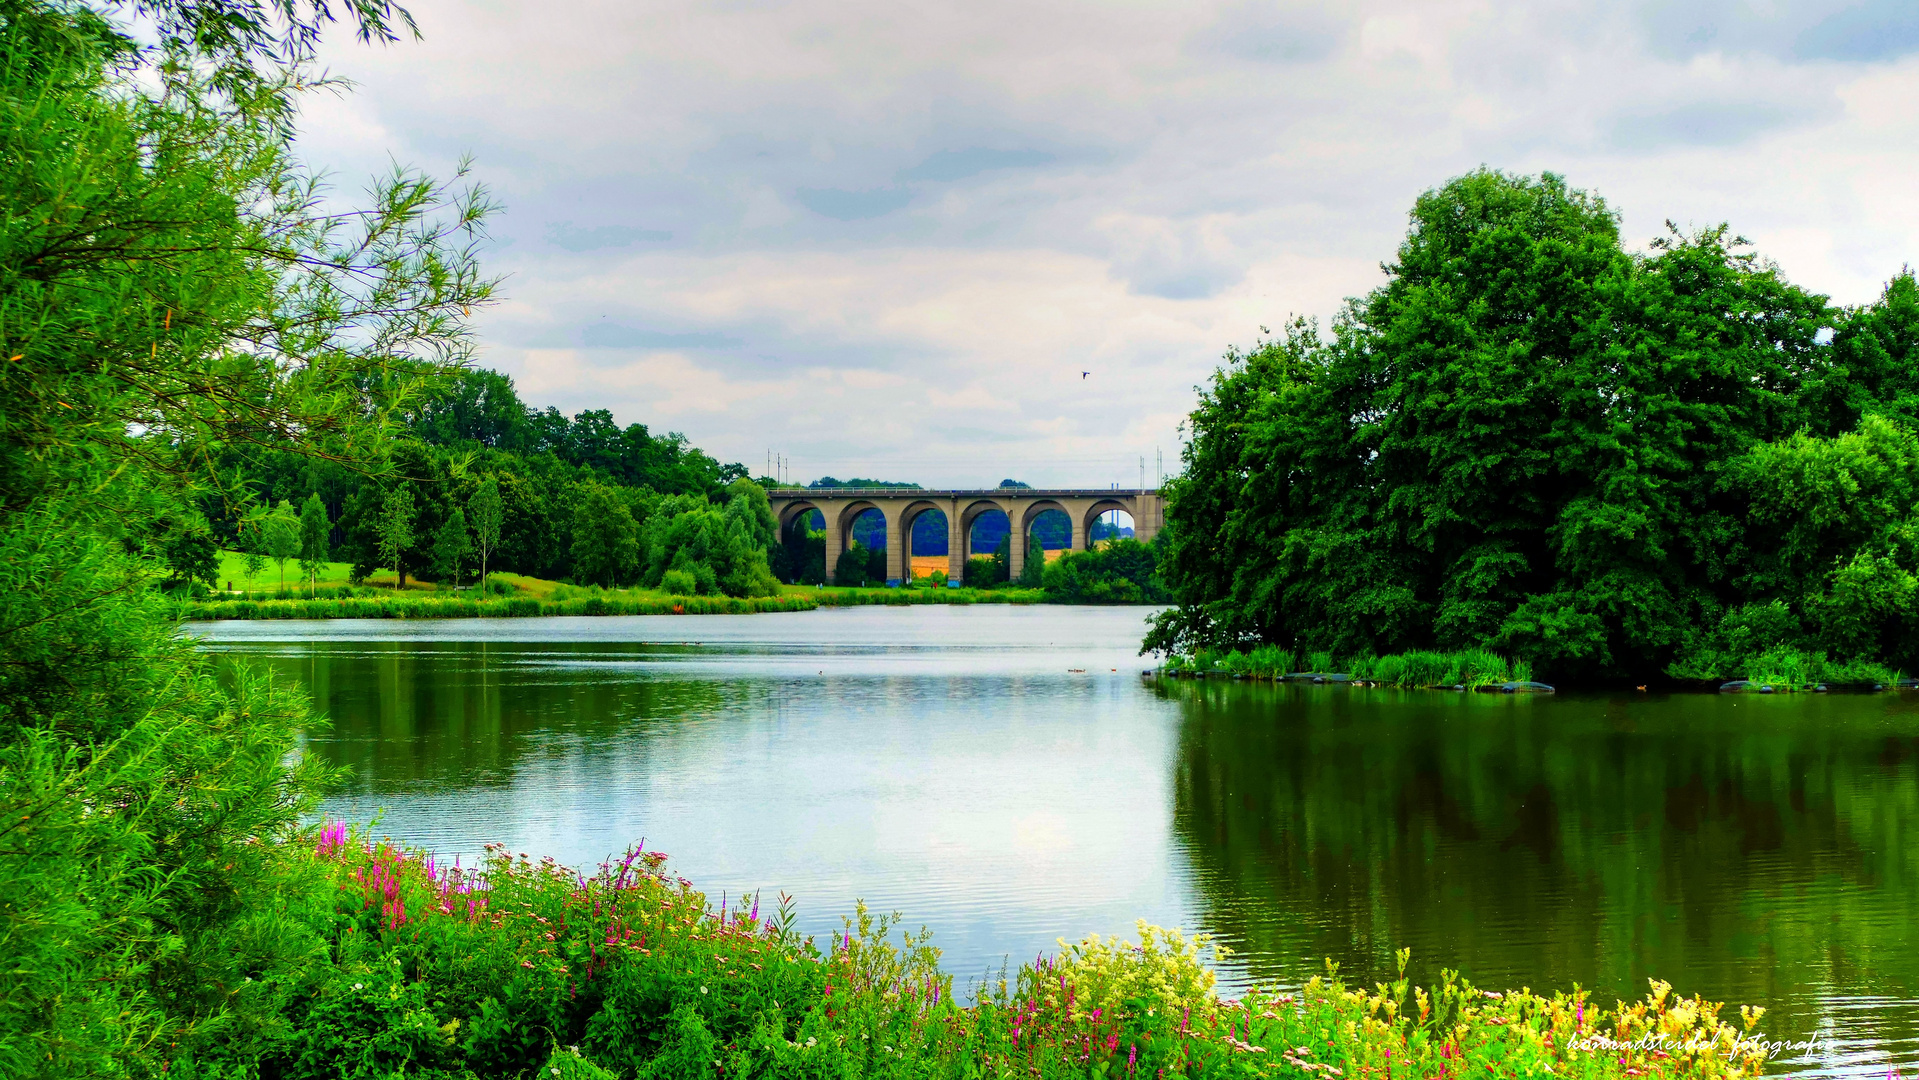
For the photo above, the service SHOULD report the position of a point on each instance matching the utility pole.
(1142, 472)
(1159, 467)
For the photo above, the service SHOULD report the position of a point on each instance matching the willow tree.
(174, 291)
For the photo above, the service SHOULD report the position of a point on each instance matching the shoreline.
(522, 607)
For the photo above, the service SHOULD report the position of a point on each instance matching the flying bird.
(1083, 374)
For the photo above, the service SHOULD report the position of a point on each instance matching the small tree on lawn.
(314, 527)
(451, 545)
(487, 514)
(252, 563)
(282, 537)
(396, 531)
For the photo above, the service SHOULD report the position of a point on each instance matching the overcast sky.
(886, 240)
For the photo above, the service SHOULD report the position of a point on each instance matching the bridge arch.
(1032, 510)
(908, 519)
(1093, 512)
(970, 515)
(889, 512)
(797, 509)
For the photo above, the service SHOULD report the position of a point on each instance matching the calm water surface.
(948, 763)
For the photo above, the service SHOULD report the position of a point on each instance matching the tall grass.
(1468, 667)
(518, 968)
(1786, 668)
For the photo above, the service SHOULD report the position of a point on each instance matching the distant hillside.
(834, 482)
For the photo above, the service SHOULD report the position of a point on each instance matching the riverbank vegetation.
(1530, 440)
(415, 606)
(1467, 668)
(520, 968)
(1118, 571)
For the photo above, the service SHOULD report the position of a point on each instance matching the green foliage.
(452, 546)
(1417, 668)
(396, 529)
(487, 513)
(1032, 573)
(854, 566)
(859, 482)
(1118, 572)
(314, 527)
(253, 564)
(189, 553)
(514, 966)
(723, 548)
(1534, 442)
(606, 536)
(428, 606)
(281, 537)
(172, 302)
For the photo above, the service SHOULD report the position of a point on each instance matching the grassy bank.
(453, 606)
(530, 597)
(1779, 670)
(517, 969)
(1468, 668)
(833, 596)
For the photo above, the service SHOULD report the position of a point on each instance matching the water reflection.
(1751, 849)
(1005, 777)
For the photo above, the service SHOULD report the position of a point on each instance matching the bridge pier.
(956, 552)
(896, 540)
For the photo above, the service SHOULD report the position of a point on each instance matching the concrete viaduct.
(900, 506)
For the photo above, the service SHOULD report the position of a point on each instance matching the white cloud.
(891, 236)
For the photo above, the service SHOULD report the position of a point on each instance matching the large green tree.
(1523, 440)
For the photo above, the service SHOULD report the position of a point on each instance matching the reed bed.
(1790, 669)
(1467, 668)
(518, 968)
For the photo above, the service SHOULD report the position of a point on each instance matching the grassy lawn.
(334, 574)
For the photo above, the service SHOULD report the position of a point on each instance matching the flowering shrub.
(518, 968)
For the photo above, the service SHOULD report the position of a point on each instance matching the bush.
(984, 572)
(679, 582)
(1119, 572)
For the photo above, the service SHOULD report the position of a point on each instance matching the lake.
(1006, 777)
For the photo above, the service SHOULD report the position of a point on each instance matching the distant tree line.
(1613, 464)
(478, 480)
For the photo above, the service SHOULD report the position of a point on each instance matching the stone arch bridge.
(900, 506)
